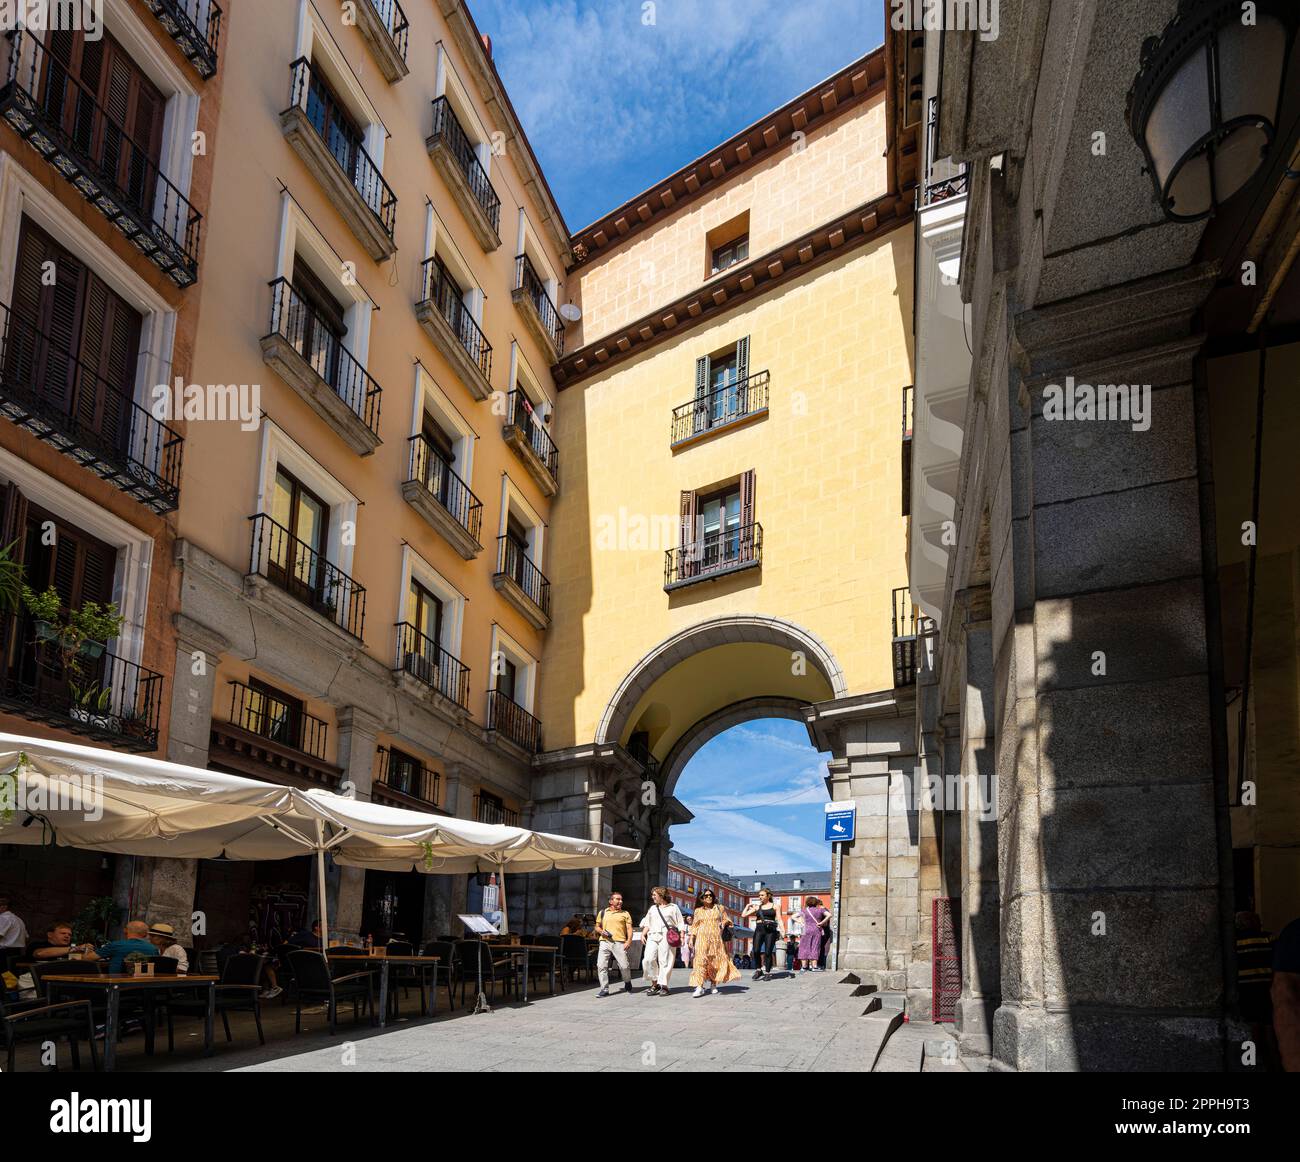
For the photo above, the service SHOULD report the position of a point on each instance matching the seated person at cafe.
(575, 926)
(163, 938)
(135, 938)
(54, 945)
(304, 939)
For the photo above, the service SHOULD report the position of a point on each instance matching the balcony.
(720, 410)
(431, 666)
(522, 583)
(909, 397)
(446, 320)
(405, 781)
(944, 178)
(311, 360)
(305, 575)
(383, 24)
(106, 698)
(524, 433)
(490, 809)
(512, 721)
(195, 25)
(61, 120)
(713, 556)
(270, 739)
(344, 169)
(66, 403)
(538, 312)
(443, 498)
(903, 632)
(454, 157)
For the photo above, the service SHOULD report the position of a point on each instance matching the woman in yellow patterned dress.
(710, 964)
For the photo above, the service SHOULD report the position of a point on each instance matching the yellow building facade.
(730, 534)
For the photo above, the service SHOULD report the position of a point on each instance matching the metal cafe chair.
(239, 992)
(312, 973)
(48, 1022)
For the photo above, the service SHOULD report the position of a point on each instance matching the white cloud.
(738, 844)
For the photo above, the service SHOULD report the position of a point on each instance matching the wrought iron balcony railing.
(519, 412)
(107, 698)
(713, 555)
(514, 563)
(447, 128)
(944, 178)
(441, 291)
(426, 661)
(296, 321)
(305, 574)
(394, 20)
(509, 718)
(528, 280)
(489, 810)
(409, 777)
(722, 406)
(350, 155)
(195, 25)
(903, 623)
(60, 118)
(435, 475)
(68, 404)
(272, 718)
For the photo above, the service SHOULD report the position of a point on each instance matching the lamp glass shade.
(1180, 122)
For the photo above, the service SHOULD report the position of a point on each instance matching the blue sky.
(613, 104)
(757, 793)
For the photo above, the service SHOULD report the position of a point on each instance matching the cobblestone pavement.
(806, 1023)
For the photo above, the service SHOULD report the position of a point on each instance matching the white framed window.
(280, 452)
(519, 519)
(301, 243)
(523, 378)
(529, 244)
(447, 83)
(316, 44)
(450, 619)
(21, 195)
(134, 547)
(439, 244)
(432, 403)
(512, 669)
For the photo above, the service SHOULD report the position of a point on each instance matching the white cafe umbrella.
(103, 800)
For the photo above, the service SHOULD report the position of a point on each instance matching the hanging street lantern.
(1205, 104)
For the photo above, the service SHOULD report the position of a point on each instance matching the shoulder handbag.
(727, 931)
(671, 934)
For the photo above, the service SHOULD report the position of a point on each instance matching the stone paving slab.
(786, 1025)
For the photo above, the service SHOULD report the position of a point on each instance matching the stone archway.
(752, 629)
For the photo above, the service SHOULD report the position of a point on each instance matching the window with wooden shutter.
(689, 510)
(702, 376)
(746, 543)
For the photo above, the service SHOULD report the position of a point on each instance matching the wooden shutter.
(687, 557)
(701, 417)
(83, 566)
(747, 515)
(742, 360)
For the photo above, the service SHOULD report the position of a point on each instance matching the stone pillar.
(871, 738)
(977, 819)
(163, 889)
(1108, 860)
(358, 736)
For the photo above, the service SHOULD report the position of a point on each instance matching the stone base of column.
(974, 1026)
(1099, 1041)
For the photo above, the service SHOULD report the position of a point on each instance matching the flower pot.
(91, 649)
(46, 631)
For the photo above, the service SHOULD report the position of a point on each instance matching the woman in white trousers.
(657, 962)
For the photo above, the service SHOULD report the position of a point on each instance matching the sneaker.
(713, 988)
(663, 991)
(758, 975)
(699, 992)
(627, 986)
(652, 991)
(603, 993)
(271, 994)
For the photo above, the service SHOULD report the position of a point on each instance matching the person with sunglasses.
(710, 963)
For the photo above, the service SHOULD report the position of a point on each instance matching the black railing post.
(447, 126)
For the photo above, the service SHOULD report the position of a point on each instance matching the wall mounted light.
(1205, 103)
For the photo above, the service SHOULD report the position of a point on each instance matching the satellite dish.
(570, 313)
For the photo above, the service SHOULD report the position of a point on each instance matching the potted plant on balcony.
(78, 633)
(89, 704)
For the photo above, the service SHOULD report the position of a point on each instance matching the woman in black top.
(766, 931)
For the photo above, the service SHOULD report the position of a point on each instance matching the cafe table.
(113, 985)
(428, 1007)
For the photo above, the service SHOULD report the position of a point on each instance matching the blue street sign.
(839, 822)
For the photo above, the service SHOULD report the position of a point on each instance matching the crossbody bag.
(672, 935)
